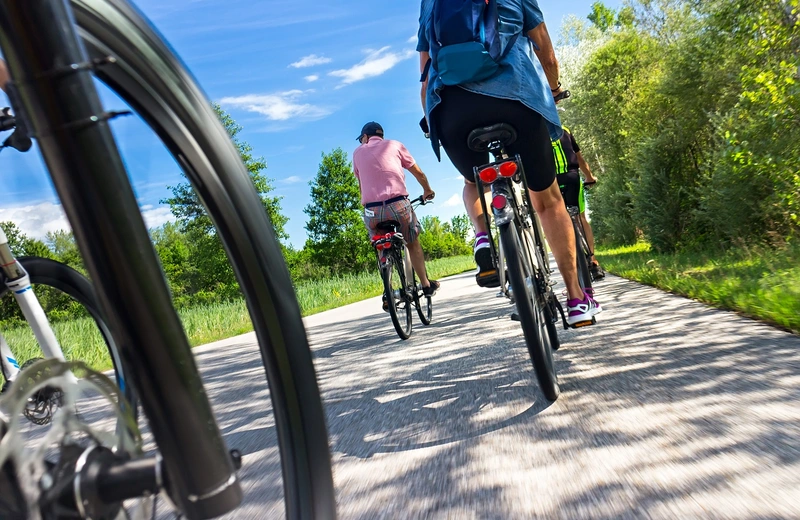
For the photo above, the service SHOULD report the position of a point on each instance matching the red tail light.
(488, 175)
(499, 201)
(508, 169)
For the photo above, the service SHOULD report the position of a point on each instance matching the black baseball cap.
(370, 129)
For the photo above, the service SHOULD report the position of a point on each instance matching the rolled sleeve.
(422, 37)
(532, 15)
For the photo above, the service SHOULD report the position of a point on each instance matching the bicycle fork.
(19, 283)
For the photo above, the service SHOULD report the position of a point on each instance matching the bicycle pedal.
(488, 279)
(584, 323)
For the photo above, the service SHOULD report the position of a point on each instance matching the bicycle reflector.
(488, 175)
(499, 201)
(508, 169)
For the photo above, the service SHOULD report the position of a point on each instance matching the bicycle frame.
(18, 282)
(575, 215)
(53, 80)
(515, 189)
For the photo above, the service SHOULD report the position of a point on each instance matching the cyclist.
(569, 161)
(378, 165)
(521, 93)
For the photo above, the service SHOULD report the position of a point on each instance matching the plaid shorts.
(400, 211)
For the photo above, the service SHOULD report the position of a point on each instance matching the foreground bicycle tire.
(532, 318)
(157, 85)
(146, 73)
(63, 278)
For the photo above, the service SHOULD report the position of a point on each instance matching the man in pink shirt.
(378, 165)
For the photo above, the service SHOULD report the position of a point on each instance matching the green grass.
(80, 338)
(762, 283)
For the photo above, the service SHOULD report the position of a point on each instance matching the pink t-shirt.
(379, 166)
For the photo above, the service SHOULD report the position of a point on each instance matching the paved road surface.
(669, 409)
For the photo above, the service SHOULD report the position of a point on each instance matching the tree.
(23, 245)
(337, 237)
(444, 239)
(207, 275)
(186, 206)
(62, 244)
(601, 16)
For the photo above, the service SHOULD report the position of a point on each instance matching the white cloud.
(294, 179)
(310, 61)
(156, 216)
(453, 201)
(36, 220)
(280, 106)
(375, 64)
(413, 39)
(312, 78)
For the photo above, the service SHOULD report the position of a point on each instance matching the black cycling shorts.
(461, 111)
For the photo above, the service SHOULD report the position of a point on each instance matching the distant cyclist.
(569, 161)
(378, 165)
(519, 92)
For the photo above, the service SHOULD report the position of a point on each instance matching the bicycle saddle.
(481, 139)
(389, 226)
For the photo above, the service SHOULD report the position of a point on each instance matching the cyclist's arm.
(584, 166)
(3, 75)
(424, 56)
(547, 55)
(422, 179)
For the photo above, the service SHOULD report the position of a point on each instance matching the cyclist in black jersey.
(569, 162)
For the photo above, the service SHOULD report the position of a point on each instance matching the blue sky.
(301, 77)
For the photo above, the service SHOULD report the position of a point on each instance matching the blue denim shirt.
(521, 76)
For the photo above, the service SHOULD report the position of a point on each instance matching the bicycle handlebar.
(564, 94)
(420, 201)
(7, 122)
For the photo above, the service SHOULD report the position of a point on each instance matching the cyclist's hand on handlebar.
(423, 124)
(428, 194)
(561, 95)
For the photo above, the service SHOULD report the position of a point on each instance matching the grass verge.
(762, 283)
(80, 338)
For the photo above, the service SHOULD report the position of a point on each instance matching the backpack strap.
(509, 45)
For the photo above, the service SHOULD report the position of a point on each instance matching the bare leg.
(3, 75)
(473, 205)
(418, 261)
(587, 229)
(560, 235)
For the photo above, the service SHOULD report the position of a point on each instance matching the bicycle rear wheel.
(531, 312)
(394, 288)
(154, 82)
(44, 272)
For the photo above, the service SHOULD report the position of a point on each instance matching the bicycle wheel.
(531, 312)
(394, 287)
(535, 250)
(154, 82)
(46, 273)
(423, 304)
